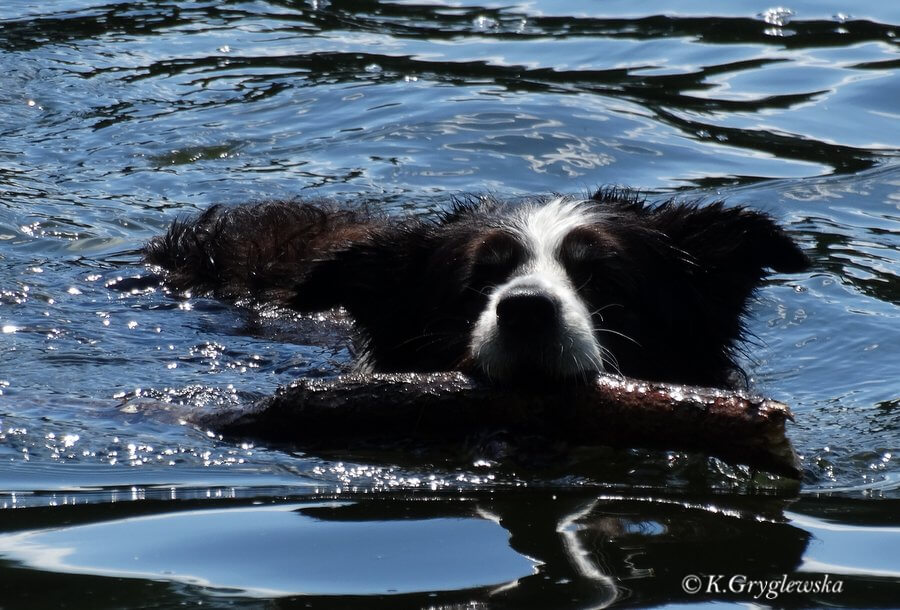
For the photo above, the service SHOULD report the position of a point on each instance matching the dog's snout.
(527, 310)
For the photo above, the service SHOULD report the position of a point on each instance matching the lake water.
(116, 118)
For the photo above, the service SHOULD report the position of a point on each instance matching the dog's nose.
(527, 310)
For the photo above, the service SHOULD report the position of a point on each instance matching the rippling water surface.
(116, 118)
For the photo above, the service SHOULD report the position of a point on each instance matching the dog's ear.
(704, 264)
(354, 274)
(731, 240)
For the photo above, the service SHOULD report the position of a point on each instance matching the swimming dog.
(547, 290)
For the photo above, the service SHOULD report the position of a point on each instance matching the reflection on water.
(280, 550)
(117, 117)
(585, 550)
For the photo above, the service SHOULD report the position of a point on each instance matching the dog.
(549, 290)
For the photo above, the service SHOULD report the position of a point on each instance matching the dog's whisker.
(604, 308)
(614, 362)
(600, 329)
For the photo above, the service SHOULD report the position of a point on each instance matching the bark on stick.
(390, 409)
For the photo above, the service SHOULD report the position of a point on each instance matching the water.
(117, 118)
(349, 558)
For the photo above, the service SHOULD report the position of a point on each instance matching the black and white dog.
(550, 290)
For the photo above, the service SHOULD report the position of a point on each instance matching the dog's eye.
(584, 250)
(495, 257)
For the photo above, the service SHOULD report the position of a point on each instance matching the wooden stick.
(389, 409)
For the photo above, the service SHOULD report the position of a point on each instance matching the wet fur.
(667, 285)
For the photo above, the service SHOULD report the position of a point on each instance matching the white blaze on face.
(575, 349)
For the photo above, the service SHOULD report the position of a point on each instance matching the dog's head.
(557, 290)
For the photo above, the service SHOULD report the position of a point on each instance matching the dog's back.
(257, 250)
